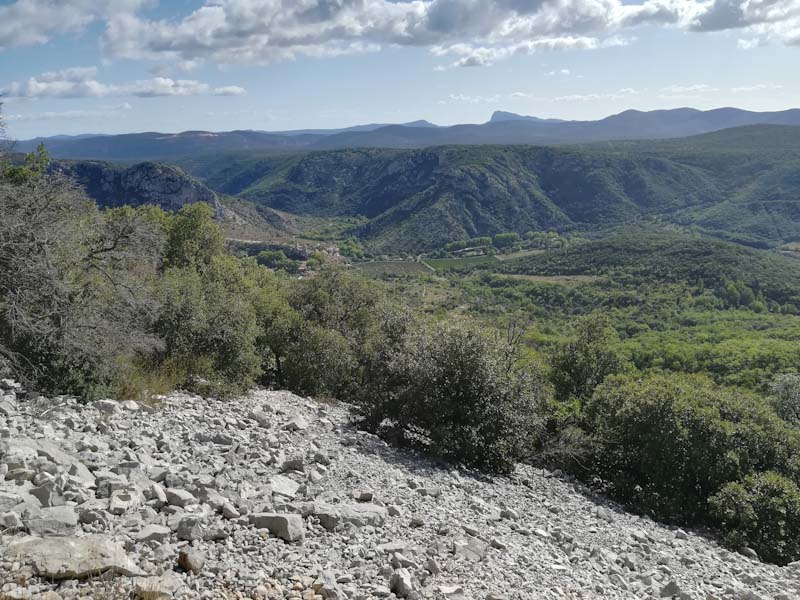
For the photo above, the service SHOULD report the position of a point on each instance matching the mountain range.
(740, 184)
(502, 128)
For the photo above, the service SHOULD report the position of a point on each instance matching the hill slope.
(671, 257)
(730, 183)
(468, 532)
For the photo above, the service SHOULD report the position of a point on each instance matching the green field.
(392, 267)
(441, 264)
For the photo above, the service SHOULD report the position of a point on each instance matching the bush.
(462, 395)
(583, 363)
(784, 394)
(761, 512)
(669, 442)
(209, 326)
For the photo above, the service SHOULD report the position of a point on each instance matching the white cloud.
(102, 112)
(588, 97)
(477, 32)
(81, 82)
(465, 99)
(759, 87)
(28, 22)
(699, 88)
(563, 72)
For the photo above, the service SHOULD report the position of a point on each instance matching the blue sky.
(109, 66)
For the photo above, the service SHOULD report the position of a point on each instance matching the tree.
(73, 284)
(505, 240)
(763, 513)
(784, 394)
(193, 239)
(583, 363)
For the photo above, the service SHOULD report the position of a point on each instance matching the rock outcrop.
(162, 185)
(276, 496)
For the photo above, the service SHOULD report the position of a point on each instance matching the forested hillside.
(733, 184)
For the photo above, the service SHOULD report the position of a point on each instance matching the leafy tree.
(193, 239)
(580, 365)
(74, 285)
(506, 240)
(784, 393)
(461, 394)
(276, 259)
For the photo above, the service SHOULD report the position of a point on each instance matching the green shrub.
(761, 512)
(319, 362)
(459, 393)
(583, 363)
(208, 324)
(669, 442)
(784, 394)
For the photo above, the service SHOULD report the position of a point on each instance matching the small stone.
(296, 424)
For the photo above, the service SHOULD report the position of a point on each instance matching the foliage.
(761, 512)
(504, 240)
(193, 239)
(784, 394)
(582, 364)
(460, 393)
(74, 285)
(276, 259)
(668, 443)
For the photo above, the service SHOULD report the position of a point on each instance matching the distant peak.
(499, 116)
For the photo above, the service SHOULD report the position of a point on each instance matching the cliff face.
(144, 183)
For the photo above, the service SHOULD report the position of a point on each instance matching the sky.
(115, 66)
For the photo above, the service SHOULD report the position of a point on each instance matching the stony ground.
(276, 496)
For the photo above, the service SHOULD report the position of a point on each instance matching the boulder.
(181, 498)
(360, 515)
(191, 560)
(283, 486)
(156, 588)
(401, 583)
(53, 521)
(73, 558)
(288, 527)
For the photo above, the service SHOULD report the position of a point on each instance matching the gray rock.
(178, 497)
(191, 560)
(289, 528)
(360, 515)
(73, 558)
(153, 533)
(283, 486)
(296, 424)
(53, 521)
(471, 548)
(401, 583)
(156, 588)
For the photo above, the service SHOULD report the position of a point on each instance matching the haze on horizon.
(115, 66)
